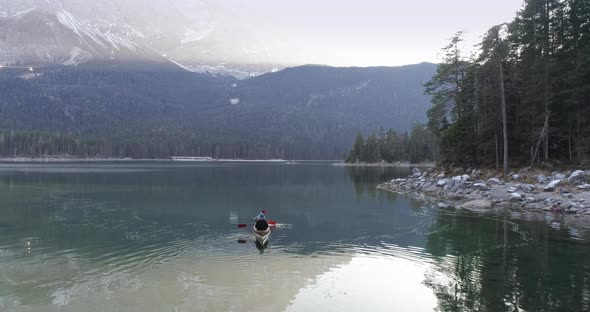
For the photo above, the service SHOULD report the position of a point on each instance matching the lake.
(163, 236)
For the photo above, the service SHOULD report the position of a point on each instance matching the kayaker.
(261, 215)
(261, 224)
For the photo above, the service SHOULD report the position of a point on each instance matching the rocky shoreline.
(481, 191)
(384, 164)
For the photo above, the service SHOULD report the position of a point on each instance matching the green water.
(163, 236)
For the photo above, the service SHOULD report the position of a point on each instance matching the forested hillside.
(525, 97)
(126, 110)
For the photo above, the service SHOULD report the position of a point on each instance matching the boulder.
(552, 185)
(558, 176)
(442, 182)
(541, 179)
(465, 177)
(442, 205)
(480, 186)
(515, 197)
(478, 204)
(440, 176)
(456, 183)
(527, 188)
(516, 177)
(584, 186)
(476, 173)
(494, 181)
(416, 173)
(455, 196)
(511, 189)
(577, 177)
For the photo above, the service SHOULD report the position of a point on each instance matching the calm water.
(161, 236)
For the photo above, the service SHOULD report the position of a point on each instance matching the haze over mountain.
(74, 32)
(242, 37)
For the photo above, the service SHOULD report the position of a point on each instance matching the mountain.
(307, 112)
(42, 38)
(195, 35)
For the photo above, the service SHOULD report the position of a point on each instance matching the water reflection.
(366, 179)
(164, 238)
(500, 264)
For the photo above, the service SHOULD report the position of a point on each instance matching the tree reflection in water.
(366, 179)
(498, 264)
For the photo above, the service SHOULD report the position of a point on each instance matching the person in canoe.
(261, 223)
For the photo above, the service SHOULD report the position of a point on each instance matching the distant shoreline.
(126, 159)
(384, 164)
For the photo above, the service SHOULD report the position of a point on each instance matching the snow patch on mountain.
(77, 56)
(223, 70)
(82, 30)
(17, 14)
(191, 35)
(178, 64)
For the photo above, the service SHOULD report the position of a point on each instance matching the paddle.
(271, 223)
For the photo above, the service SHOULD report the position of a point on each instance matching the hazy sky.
(364, 33)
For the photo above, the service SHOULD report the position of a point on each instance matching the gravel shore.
(565, 192)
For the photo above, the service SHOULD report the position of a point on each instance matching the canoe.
(261, 236)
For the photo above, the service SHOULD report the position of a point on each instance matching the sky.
(295, 32)
(363, 33)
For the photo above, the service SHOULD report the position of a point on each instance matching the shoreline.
(127, 159)
(385, 164)
(566, 193)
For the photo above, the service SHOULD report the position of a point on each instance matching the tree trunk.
(497, 152)
(504, 125)
(546, 74)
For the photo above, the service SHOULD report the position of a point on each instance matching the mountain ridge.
(303, 112)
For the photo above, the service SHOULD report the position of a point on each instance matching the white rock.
(577, 177)
(515, 197)
(552, 185)
(584, 186)
(442, 205)
(480, 186)
(442, 182)
(440, 176)
(558, 176)
(465, 177)
(516, 176)
(493, 181)
(511, 189)
(541, 178)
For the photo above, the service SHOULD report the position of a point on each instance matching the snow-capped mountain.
(72, 32)
(40, 37)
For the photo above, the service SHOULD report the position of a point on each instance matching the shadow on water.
(366, 179)
(499, 264)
